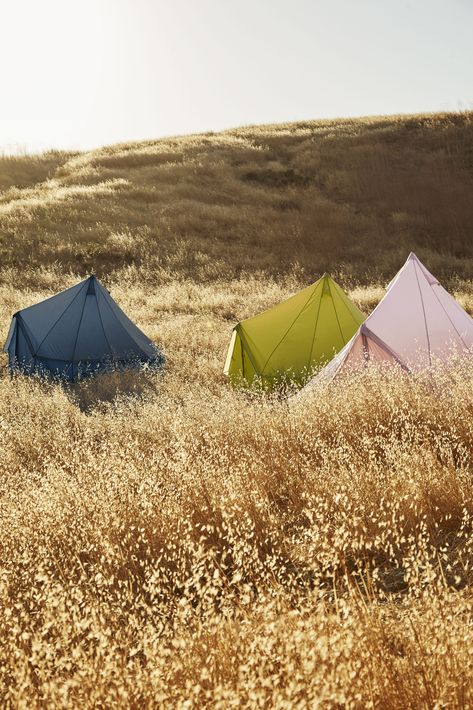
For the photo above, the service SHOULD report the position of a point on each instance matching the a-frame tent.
(292, 339)
(416, 325)
(75, 333)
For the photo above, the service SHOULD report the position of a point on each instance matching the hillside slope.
(350, 196)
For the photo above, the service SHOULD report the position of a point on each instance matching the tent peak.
(412, 256)
(91, 286)
(325, 280)
(425, 272)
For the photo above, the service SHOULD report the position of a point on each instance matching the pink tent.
(415, 325)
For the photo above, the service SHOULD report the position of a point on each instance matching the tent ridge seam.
(383, 344)
(247, 350)
(315, 330)
(336, 315)
(295, 319)
(423, 311)
(59, 318)
(22, 326)
(78, 330)
(346, 304)
(123, 327)
(101, 323)
(443, 308)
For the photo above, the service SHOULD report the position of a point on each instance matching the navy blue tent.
(75, 333)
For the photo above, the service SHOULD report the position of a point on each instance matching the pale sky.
(84, 73)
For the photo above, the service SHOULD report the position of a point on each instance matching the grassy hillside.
(347, 195)
(168, 542)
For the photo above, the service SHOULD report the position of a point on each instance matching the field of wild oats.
(168, 542)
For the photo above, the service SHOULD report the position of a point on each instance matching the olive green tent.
(294, 338)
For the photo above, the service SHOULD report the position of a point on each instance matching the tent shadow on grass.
(116, 387)
(120, 387)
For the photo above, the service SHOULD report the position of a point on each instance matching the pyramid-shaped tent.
(294, 337)
(79, 331)
(416, 324)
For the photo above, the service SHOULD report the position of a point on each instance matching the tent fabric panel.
(18, 346)
(238, 364)
(23, 327)
(293, 354)
(63, 369)
(91, 342)
(122, 334)
(328, 337)
(287, 310)
(58, 343)
(10, 341)
(418, 319)
(317, 334)
(349, 316)
(248, 371)
(368, 351)
(441, 337)
(255, 348)
(246, 351)
(461, 322)
(70, 371)
(375, 352)
(332, 368)
(399, 321)
(265, 332)
(362, 350)
(20, 353)
(440, 332)
(41, 317)
(430, 278)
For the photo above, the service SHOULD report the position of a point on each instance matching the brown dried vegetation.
(166, 541)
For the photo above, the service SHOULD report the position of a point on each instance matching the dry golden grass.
(168, 542)
(347, 196)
